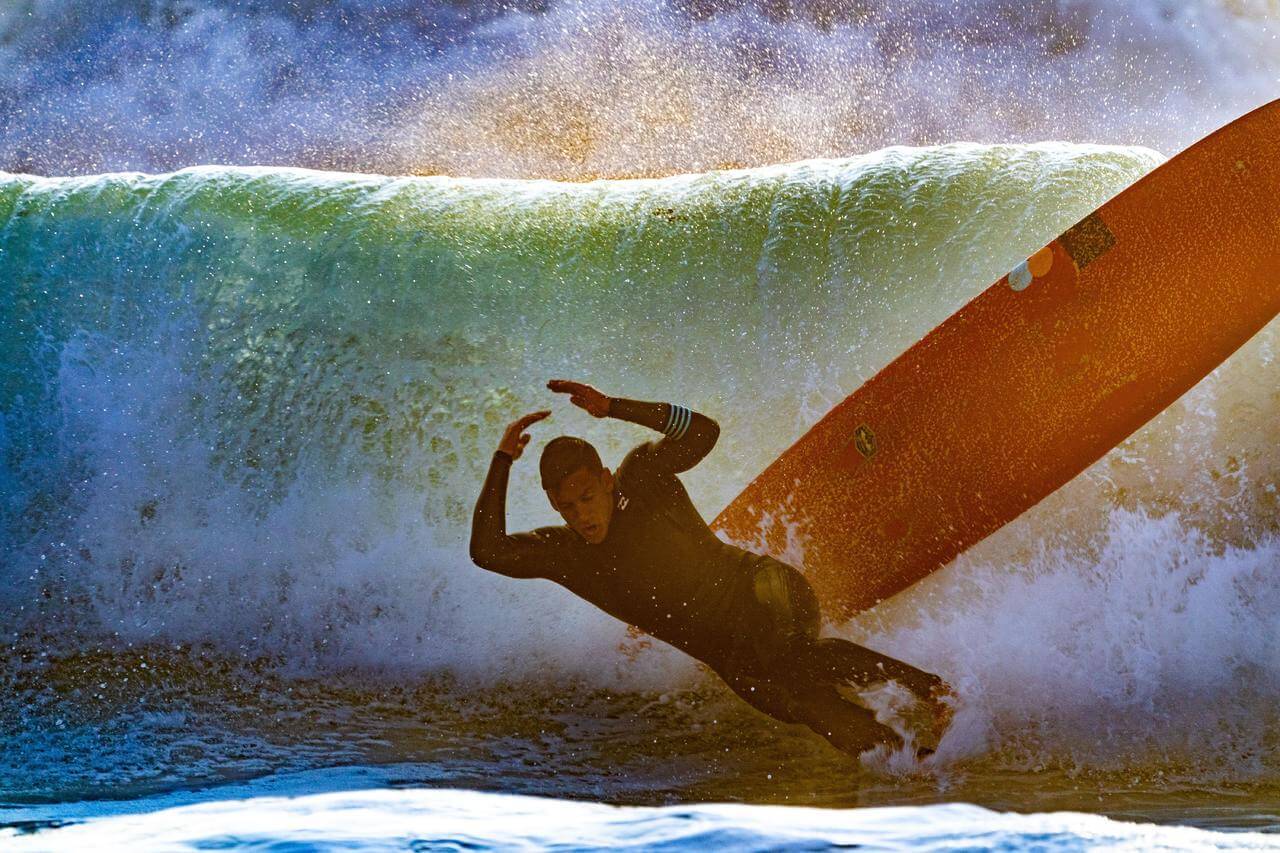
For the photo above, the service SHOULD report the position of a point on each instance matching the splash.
(584, 88)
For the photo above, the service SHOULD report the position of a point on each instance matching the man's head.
(578, 486)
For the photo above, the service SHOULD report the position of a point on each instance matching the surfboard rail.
(1036, 378)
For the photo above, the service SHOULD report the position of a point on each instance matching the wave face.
(582, 88)
(247, 411)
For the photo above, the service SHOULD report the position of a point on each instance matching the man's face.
(585, 502)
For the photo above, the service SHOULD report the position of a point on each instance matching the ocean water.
(255, 354)
(372, 809)
(246, 412)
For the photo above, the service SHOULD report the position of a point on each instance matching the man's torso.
(660, 567)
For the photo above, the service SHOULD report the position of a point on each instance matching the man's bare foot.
(940, 707)
(943, 699)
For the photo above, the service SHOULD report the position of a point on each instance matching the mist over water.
(579, 89)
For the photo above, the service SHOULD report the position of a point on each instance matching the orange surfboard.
(1036, 378)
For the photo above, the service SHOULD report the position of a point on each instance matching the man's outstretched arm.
(522, 555)
(688, 436)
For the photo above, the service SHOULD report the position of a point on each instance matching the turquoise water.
(244, 414)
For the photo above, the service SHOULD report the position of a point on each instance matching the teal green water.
(329, 317)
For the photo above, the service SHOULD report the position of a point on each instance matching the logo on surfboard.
(865, 440)
(1087, 240)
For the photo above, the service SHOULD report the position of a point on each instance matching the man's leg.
(847, 726)
(789, 630)
(815, 669)
(843, 661)
(787, 685)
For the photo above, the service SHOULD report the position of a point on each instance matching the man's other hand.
(583, 396)
(515, 438)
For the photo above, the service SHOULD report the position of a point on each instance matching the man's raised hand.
(515, 438)
(583, 396)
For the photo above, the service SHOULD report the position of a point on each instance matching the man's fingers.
(515, 438)
(564, 386)
(516, 428)
(531, 418)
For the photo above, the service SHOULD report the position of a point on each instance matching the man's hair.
(562, 456)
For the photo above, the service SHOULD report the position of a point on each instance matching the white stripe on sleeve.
(678, 421)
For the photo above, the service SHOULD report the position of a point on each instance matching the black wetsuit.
(752, 619)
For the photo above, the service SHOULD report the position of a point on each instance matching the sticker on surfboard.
(1084, 242)
(1088, 240)
(865, 441)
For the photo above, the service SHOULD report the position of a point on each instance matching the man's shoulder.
(637, 463)
(640, 470)
(636, 457)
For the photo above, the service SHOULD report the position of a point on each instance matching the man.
(634, 545)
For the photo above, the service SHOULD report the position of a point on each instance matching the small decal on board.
(1036, 266)
(865, 440)
(1020, 277)
(1087, 240)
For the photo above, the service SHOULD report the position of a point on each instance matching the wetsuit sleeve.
(688, 435)
(536, 554)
